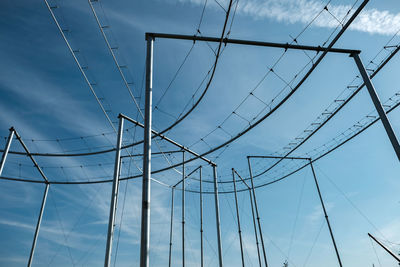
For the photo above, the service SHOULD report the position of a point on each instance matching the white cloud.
(302, 11)
(16, 224)
(391, 231)
(318, 212)
(48, 98)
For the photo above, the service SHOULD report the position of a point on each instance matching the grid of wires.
(91, 172)
(374, 66)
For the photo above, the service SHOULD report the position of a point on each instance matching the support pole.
(238, 217)
(385, 248)
(217, 219)
(201, 221)
(183, 209)
(169, 140)
(6, 149)
(326, 214)
(258, 215)
(114, 194)
(46, 181)
(171, 227)
(30, 156)
(378, 106)
(39, 221)
(254, 218)
(255, 229)
(145, 224)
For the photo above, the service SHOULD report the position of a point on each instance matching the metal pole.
(114, 194)
(217, 219)
(30, 156)
(171, 228)
(255, 228)
(183, 209)
(326, 214)
(252, 43)
(39, 221)
(169, 140)
(238, 217)
(378, 106)
(385, 248)
(145, 224)
(258, 216)
(6, 149)
(201, 221)
(254, 218)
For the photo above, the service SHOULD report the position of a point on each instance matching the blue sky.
(44, 96)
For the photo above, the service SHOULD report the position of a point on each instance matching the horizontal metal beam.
(169, 140)
(277, 157)
(285, 46)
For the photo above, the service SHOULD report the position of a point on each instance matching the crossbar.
(285, 46)
(169, 140)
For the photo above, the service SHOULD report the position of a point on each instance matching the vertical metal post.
(46, 181)
(238, 217)
(145, 224)
(39, 221)
(183, 209)
(171, 227)
(114, 194)
(326, 214)
(255, 228)
(6, 149)
(217, 219)
(201, 221)
(254, 218)
(258, 215)
(378, 106)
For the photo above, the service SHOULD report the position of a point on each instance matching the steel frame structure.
(324, 50)
(150, 38)
(145, 227)
(149, 133)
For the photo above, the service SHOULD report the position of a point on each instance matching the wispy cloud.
(56, 104)
(392, 231)
(317, 213)
(302, 11)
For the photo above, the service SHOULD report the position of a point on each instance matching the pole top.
(149, 35)
(354, 53)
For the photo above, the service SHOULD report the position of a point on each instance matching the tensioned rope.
(222, 192)
(168, 128)
(228, 192)
(231, 25)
